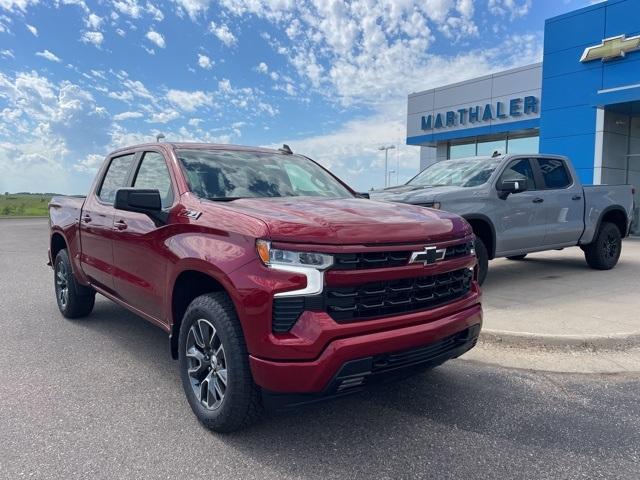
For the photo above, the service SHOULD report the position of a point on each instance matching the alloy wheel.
(610, 246)
(206, 364)
(62, 285)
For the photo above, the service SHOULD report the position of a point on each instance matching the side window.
(554, 172)
(519, 170)
(153, 173)
(115, 178)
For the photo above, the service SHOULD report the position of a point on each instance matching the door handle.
(538, 200)
(120, 225)
(576, 197)
(86, 218)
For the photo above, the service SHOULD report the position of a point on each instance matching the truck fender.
(486, 220)
(589, 235)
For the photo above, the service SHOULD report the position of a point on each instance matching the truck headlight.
(435, 205)
(274, 256)
(311, 265)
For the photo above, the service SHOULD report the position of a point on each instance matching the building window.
(486, 149)
(462, 150)
(486, 146)
(523, 145)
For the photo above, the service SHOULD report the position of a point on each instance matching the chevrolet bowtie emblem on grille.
(428, 256)
(611, 48)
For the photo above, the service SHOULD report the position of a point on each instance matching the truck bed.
(598, 198)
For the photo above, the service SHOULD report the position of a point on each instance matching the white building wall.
(490, 89)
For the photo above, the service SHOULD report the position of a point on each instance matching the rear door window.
(115, 178)
(554, 172)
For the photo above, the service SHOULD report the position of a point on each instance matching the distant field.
(24, 204)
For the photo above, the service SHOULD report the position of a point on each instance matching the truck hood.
(412, 194)
(350, 221)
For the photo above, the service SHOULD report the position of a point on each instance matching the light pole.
(391, 172)
(386, 160)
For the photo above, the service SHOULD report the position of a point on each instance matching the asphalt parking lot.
(101, 398)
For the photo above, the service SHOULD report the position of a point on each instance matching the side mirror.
(141, 200)
(363, 195)
(507, 187)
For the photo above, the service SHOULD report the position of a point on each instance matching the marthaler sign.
(516, 107)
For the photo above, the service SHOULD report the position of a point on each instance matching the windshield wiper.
(224, 199)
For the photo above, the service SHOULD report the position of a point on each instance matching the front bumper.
(319, 376)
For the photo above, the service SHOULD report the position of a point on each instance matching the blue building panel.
(584, 27)
(619, 73)
(566, 122)
(571, 89)
(623, 18)
(564, 62)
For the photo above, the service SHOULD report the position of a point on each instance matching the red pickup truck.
(277, 284)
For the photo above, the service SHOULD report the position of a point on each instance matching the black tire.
(483, 259)
(603, 253)
(74, 300)
(517, 257)
(239, 403)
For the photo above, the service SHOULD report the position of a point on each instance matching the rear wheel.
(517, 257)
(483, 259)
(603, 253)
(74, 300)
(214, 365)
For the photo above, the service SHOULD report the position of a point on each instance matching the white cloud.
(15, 5)
(223, 33)
(156, 38)
(205, 62)
(96, 38)
(511, 8)
(127, 116)
(57, 122)
(7, 53)
(164, 116)
(193, 7)
(155, 12)
(93, 21)
(128, 7)
(49, 56)
(90, 164)
(262, 68)
(189, 101)
(31, 28)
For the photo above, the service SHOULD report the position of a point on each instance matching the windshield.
(466, 172)
(231, 174)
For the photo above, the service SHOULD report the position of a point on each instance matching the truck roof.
(199, 146)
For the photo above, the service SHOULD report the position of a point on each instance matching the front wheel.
(483, 259)
(74, 300)
(603, 253)
(214, 365)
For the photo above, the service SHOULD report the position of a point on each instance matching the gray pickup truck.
(518, 204)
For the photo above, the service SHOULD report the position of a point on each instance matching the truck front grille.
(376, 299)
(364, 260)
(347, 304)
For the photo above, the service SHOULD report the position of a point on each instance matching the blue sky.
(81, 78)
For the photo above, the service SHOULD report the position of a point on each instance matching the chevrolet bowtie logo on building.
(611, 48)
(428, 256)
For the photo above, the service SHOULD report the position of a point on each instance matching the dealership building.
(582, 101)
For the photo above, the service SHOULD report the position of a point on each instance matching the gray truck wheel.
(483, 259)
(214, 365)
(603, 253)
(517, 257)
(74, 300)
